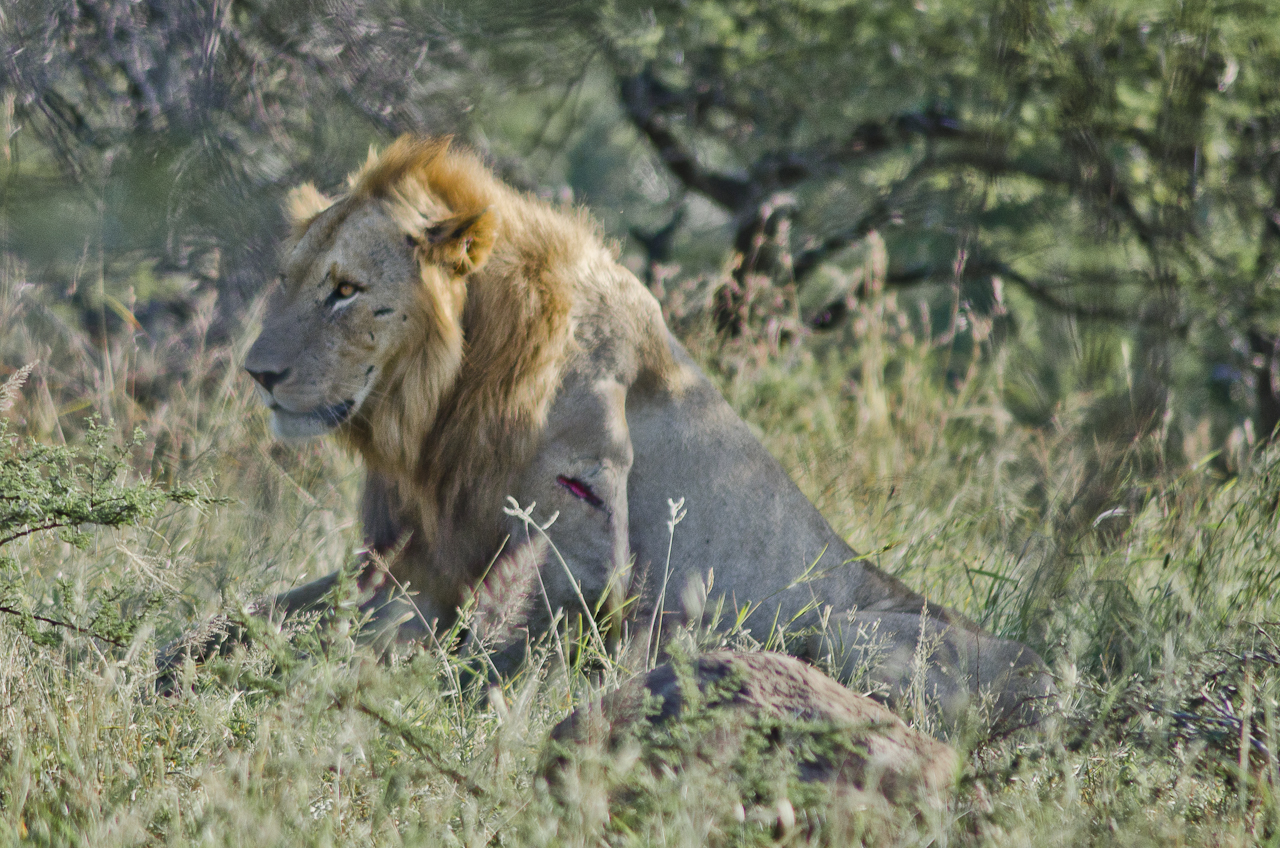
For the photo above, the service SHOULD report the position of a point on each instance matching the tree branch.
(1040, 292)
(51, 525)
(1044, 294)
(66, 625)
(641, 95)
(807, 260)
(645, 99)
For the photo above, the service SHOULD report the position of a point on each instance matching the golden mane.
(465, 405)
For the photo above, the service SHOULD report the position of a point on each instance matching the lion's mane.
(464, 401)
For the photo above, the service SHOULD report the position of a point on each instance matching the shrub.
(63, 488)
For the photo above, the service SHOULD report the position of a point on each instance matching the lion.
(473, 344)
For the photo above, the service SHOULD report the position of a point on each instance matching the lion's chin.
(294, 426)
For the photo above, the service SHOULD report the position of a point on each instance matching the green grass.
(1156, 622)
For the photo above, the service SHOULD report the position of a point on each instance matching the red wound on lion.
(580, 490)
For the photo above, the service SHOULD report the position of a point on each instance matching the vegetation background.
(995, 280)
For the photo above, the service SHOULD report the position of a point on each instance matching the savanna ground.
(1158, 630)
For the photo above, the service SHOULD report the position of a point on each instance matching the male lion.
(472, 343)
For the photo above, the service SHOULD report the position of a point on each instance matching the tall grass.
(1157, 627)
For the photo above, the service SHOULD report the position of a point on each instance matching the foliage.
(1100, 180)
(1094, 184)
(1113, 162)
(1097, 179)
(56, 487)
(63, 488)
(189, 120)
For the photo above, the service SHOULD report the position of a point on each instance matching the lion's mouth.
(336, 413)
(306, 425)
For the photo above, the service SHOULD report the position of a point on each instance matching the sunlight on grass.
(1158, 627)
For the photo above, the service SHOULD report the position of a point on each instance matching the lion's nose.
(267, 379)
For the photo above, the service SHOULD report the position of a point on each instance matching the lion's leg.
(222, 634)
(926, 662)
(386, 614)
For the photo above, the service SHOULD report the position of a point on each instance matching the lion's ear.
(304, 203)
(462, 242)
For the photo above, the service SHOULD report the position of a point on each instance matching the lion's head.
(368, 276)
(417, 318)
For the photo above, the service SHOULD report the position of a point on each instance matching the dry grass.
(1168, 690)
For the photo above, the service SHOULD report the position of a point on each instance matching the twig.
(52, 525)
(66, 625)
(422, 747)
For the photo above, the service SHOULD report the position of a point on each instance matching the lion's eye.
(343, 291)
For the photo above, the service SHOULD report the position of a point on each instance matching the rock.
(768, 725)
